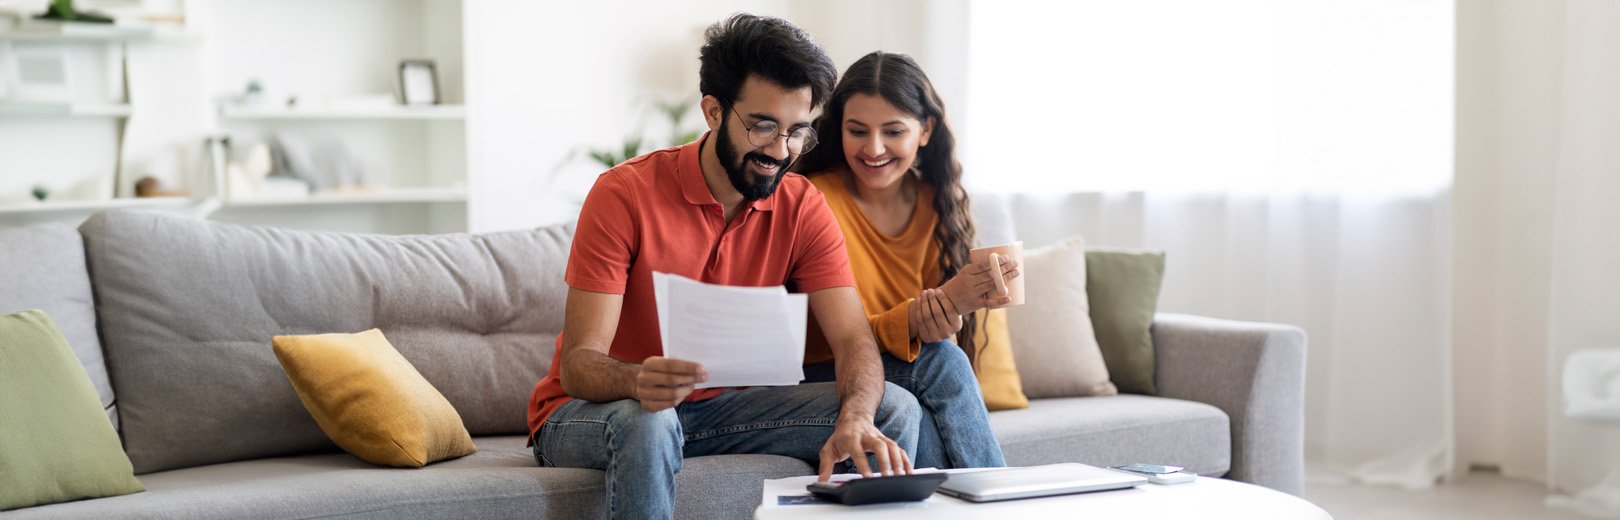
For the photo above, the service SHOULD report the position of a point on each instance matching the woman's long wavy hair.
(899, 80)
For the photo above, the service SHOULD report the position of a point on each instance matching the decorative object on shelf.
(245, 178)
(252, 95)
(326, 164)
(41, 193)
(418, 82)
(149, 186)
(36, 72)
(63, 10)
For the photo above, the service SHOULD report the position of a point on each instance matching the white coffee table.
(1207, 498)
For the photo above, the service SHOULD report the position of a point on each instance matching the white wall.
(545, 79)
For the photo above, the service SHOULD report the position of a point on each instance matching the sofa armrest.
(1255, 372)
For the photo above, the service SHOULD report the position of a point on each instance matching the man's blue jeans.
(641, 451)
(954, 431)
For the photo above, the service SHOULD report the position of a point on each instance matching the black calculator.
(878, 490)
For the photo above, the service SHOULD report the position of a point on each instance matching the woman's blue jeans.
(954, 429)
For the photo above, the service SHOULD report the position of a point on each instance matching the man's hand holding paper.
(664, 382)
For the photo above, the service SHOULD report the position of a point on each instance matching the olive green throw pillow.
(1123, 288)
(56, 444)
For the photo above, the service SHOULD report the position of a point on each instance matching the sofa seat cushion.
(500, 481)
(1116, 430)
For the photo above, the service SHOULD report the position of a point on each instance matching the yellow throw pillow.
(371, 401)
(993, 363)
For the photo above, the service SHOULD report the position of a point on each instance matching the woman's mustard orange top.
(889, 271)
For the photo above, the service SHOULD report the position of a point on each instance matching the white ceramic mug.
(1013, 288)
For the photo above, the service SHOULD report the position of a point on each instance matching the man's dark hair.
(769, 47)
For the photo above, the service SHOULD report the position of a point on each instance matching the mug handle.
(1001, 280)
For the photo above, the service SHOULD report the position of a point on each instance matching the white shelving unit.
(64, 109)
(82, 206)
(323, 53)
(67, 140)
(410, 161)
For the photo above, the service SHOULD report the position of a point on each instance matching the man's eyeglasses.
(765, 133)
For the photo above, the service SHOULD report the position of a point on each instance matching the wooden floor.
(1475, 496)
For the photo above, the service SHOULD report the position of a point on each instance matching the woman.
(887, 165)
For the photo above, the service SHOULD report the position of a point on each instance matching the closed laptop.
(1035, 481)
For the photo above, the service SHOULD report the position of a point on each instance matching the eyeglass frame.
(749, 129)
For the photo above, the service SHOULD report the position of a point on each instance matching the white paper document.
(743, 336)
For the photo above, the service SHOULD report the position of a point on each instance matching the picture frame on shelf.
(35, 73)
(418, 82)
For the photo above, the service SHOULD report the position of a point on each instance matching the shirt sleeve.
(820, 261)
(893, 330)
(605, 239)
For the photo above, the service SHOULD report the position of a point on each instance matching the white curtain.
(1585, 293)
(1538, 173)
(1293, 158)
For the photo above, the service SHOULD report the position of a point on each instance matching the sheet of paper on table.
(743, 336)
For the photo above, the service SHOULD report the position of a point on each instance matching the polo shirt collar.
(689, 169)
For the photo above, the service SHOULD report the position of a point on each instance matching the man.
(722, 210)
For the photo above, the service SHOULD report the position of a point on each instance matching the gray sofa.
(183, 311)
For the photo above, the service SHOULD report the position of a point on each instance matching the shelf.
(92, 205)
(22, 108)
(404, 195)
(51, 31)
(397, 196)
(382, 112)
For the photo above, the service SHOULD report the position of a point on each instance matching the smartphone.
(1179, 477)
(1149, 469)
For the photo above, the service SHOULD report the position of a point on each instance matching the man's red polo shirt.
(655, 213)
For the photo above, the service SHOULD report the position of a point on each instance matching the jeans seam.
(540, 456)
(914, 383)
(607, 427)
(706, 434)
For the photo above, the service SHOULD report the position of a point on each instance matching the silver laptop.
(1035, 481)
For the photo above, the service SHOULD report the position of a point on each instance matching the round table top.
(1206, 498)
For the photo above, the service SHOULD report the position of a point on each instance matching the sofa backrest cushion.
(188, 308)
(42, 267)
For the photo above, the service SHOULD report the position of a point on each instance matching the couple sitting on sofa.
(880, 224)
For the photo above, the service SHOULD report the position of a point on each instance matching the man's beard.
(737, 169)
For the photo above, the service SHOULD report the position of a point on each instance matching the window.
(1197, 95)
